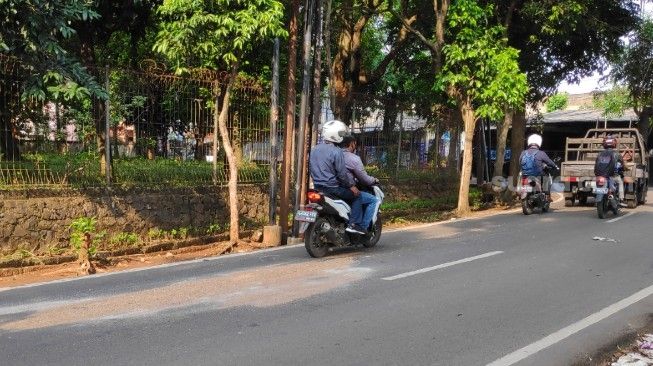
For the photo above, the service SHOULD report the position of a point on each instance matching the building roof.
(584, 115)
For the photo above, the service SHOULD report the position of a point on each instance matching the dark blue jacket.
(327, 167)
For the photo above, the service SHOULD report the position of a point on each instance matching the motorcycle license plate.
(306, 216)
(527, 189)
(601, 190)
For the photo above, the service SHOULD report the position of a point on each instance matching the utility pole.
(274, 121)
(304, 104)
(317, 95)
(289, 130)
(107, 138)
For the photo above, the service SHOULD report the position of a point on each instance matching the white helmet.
(535, 139)
(334, 131)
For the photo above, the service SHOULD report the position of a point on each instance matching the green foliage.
(633, 66)
(155, 233)
(80, 228)
(35, 31)
(557, 102)
(566, 39)
(124, 240)
(479, 65)
(214, 33)
(215, 229)
(613, 102)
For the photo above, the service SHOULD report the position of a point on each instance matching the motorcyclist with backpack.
(533, 160)
(609, 164)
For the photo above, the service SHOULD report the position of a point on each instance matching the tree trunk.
(469, 120)
(289, 128)
(502, 138)
(231, 159)
(644, 125)
(517, 138)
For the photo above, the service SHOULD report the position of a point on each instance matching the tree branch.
(430, 45)
(383, 65)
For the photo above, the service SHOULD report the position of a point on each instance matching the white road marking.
(566, 332)
(440, 266)
(621, 217)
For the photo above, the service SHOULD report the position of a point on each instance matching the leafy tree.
(362, 31)
(480, 74)
(557, 102)
(633, 69)
(217, 34)
(34, 33)
(613, 102)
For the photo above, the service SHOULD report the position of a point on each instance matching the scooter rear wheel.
(526, 207)
(313, 242)
(601, 208)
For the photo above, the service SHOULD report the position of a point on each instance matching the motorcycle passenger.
(329, 173)
(608, 165)
(356, 171)
(533, 160)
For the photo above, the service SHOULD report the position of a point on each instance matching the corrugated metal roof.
(584, 115)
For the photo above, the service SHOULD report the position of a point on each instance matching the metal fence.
(394, 139)
(160, 131)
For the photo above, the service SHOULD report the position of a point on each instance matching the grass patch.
(83, 170)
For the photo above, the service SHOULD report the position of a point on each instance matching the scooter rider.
(608, 164)
(329, 173)
(533, 160)
(356, 171)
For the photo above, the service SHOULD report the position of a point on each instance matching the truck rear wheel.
(641, 195)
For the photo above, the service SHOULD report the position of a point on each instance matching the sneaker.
(355, 229)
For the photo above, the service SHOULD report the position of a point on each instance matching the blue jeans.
(369, 202)
(346, 195)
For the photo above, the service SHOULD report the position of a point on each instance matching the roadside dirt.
(29, 275)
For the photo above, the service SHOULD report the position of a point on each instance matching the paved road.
(500, 290)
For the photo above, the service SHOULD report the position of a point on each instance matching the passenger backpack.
(528, 164)
(605, 164)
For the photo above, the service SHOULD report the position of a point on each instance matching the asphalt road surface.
(500, 290)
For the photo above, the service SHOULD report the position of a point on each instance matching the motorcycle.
(606, 198)
(324, 220)
(532, 193)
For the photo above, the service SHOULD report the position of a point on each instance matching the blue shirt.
(327, 167)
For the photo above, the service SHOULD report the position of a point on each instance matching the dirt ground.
(29, 275)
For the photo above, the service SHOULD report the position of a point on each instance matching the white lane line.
(566, 332)
(440, 266)
(621, 217)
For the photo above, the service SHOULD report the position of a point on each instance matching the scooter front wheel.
(375, 234)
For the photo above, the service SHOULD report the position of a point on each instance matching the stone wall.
(36, 221)
(39, 220)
